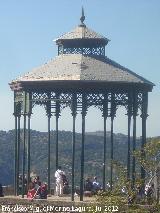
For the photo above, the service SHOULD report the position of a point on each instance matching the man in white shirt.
(96, 185)
(59, 181)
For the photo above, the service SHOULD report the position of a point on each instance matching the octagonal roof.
(75, 67)
(81, 32)
(82, 68)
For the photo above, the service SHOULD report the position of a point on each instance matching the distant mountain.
(93, 153)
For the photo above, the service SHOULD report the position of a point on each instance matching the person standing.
(59, 181)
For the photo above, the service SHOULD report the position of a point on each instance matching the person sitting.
(88, 187)
(65, 184)
(37, 181)
(37, 184)
(96, 185)
(31, 191)
(43, 191)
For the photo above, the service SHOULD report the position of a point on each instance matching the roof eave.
(77, 84)
(104, 41)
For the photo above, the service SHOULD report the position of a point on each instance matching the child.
(31, 191)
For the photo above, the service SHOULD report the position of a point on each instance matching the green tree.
(150, 160)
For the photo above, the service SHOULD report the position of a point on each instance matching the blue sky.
(27, 30)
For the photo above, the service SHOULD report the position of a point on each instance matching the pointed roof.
(79, 68)
(81, 32)
(82, 68)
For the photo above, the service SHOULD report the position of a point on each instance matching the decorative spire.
(82, 18)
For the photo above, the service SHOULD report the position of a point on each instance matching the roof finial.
(82, 17)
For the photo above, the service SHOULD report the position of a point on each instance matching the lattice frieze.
(53, 95)
(98, 51)
(39, 99)
(87, 51)
(79, 101)
(65, 100)
(94, 99)
(139, 100)
(39, 96)
(76, 51)
(121, 99)
(109, 97)
(100, 107)
(82, 50)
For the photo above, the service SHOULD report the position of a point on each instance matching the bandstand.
(79, 77)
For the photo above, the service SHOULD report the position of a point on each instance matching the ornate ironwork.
(79, 101)
(49, 101)
(99, 51)
(82, 17)
(139, 100)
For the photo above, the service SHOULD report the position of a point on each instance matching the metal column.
(57, 113)
(111, 175)
(74, 109)
(104, 155)
(129, 113)
(134, 136)
(15, 157)
(129, 147)
(49, 114)
(49, 152)
(18, 151)
(84, 107)
(24, 147)
(57, 161)
(28, 151)
(105, 114)
(144, 118)
(113, 112)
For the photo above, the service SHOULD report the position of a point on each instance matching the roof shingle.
(81, 32)
(82, 67)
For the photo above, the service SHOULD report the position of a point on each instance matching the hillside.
(93, 153)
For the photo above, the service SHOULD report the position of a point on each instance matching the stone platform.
(52, 204)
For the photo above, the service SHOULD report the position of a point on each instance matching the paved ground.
(56, 198)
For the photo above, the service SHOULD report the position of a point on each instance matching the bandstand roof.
(79, 69)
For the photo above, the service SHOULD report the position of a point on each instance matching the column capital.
(49, 115)
(105, 106)
(113, 106)
(74, 105)
(57, 109)
(84, 104)
(144, 115)
(144, 109)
